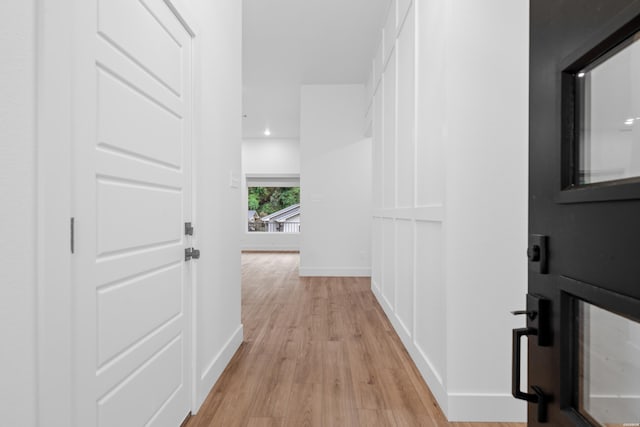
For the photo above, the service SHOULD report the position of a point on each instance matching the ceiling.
(288, 43)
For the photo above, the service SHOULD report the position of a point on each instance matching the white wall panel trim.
(402, 329)
(431, 376)
(387, 59)
(384, 303)
(425, 213)
(269, 248)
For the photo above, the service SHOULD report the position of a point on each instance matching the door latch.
(191, 253)
(538, 314)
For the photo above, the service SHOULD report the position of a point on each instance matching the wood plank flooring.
(317, 352)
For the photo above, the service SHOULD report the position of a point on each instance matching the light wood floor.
(317, 352)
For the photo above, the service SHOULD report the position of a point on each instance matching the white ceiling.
(292, 42)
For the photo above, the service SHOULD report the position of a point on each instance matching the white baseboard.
(625, 408)
(213, 371)
(424, 365)
(457, 407)
(466, 407)
(271, 248)
(335, 271)
(432, 377)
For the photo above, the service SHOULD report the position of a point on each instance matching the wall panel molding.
(425, 213)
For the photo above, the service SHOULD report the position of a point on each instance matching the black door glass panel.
(609, 116)
(608, 380)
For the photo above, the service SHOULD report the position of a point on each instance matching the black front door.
(583, 302)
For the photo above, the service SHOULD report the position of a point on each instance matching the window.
(273, 209)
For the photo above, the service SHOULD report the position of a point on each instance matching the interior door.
(132, 189)
(583, 305)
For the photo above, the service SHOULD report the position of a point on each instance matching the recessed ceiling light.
(580, 75)
(267, 132)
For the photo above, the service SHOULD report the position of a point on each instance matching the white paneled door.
(132, 110)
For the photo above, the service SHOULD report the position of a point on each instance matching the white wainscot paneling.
(430, 327)
(377, 238)
(406, 109)
(404, 275)
(378, 63)
(389, 142)
(368, 88)
(430, 102)
(389, 263)
(378, 153)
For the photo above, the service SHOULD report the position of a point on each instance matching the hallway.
(317, 352)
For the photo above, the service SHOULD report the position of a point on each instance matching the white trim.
(54, 290)
(434, 213)
(485, 407)
(262, 138)
(270, 248)
(272, 175)
(625, 407)
(181, 11)
(335, 271)
(431, 376)
(214, 369)
(462, 407)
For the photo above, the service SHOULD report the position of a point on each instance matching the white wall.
(218, 215)
(266, 157)
(335, 182)
(450, 202)
(18, 213)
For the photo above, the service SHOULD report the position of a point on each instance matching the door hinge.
(191, 253)
(188, 229)
(72, 235)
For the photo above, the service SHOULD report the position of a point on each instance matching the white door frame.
(54, 340)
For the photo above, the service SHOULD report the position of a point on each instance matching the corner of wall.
(217, 300)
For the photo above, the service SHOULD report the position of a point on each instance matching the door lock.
(538, 314)
(191, 253)
(537, 252)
